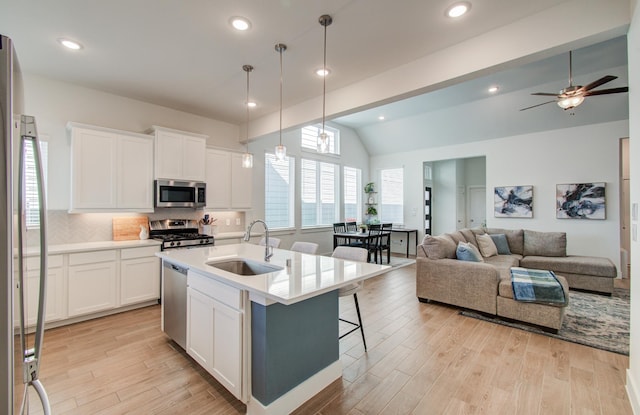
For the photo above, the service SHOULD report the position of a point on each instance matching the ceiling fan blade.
(608, 91)
(537, 105)
(546, 94)
(599, 82)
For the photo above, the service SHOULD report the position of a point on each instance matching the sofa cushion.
(468, 252)
(515, 238)
(501, 243)
(573, 264)
(457, 236)
(486, 245)
(439, 247)
(553, 244)
(469, 236)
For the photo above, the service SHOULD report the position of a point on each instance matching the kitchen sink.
(244, 267)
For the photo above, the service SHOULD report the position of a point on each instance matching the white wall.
(353, 154)
(579, 155)
(56, 103)
(633, 42)
(443, 196)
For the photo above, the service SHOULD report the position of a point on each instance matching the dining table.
(364, 236)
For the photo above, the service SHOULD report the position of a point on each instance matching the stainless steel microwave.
(180, 194)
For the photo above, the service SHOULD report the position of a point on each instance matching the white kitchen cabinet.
(218, 170)
(55, 300)
(179, 155)
(229, 185)
(215, 319)
(139, 275)
(111, 170)
(92, 282)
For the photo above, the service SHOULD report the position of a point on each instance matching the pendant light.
(247, 158)
(323, 139)
(281, 151)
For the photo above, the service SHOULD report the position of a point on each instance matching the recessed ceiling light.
(251, 104)
(240, 23)
(381, 117)
(493, 89)
(323, 72)
(458, 9)
(70, 44)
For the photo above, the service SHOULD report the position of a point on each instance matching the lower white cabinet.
(92, 282)
(55, 303)
(215, 330)
(139, 275)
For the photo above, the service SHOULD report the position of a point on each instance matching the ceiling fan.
(573, 95)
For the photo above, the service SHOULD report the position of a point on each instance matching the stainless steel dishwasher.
(175, 302)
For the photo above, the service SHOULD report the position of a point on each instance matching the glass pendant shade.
(570, 102)
(281, 152)
(323, 142)
(247, 160)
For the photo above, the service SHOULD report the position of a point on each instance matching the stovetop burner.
(178, 233)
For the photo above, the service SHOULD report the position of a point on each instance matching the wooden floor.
(422, 358)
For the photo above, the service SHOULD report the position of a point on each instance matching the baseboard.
(291, 400)
(632, 393)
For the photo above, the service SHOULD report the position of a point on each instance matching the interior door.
(477, 206)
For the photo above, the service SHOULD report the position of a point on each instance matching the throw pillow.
(486, 245)
(502, 245)
(515, 237)
(545, 243)
(468, 252)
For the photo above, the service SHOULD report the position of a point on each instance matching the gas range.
(178, 233)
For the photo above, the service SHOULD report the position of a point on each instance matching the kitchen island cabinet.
(288, 325)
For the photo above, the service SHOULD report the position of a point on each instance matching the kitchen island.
(271, 338)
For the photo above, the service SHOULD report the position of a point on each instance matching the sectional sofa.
(486, 286)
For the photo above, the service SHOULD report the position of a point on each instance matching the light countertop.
(307, 277)
(94, 246)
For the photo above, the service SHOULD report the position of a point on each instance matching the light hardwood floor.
(422, 358)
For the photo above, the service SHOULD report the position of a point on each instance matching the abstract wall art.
(580, 201)
(513, 202)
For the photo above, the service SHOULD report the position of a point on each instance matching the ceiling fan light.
(570, 102)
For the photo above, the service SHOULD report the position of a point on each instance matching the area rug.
(590, 319)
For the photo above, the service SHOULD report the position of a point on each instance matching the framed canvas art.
(580, 201)
(513, 202)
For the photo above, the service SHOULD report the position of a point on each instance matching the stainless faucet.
(268, 249)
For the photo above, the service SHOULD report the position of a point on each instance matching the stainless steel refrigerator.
(20, 352)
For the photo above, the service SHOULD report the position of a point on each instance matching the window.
(392, 196)
(352, 183)
(309, 138)
(319, 200)
(279, 192)
(31, 185)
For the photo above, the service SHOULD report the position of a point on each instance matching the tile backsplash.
(65, 228)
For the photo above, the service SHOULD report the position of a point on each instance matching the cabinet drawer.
(91, 257)
(54, 261)
(217, 290)
(147, 251)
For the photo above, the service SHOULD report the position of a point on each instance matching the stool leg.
(364, 342)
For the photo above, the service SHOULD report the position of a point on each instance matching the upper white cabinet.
(179, 155)
(229, 185)
(111, 170)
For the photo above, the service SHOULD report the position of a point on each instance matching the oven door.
(176, 194)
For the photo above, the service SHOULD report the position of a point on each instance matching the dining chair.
(385, 241)
(353, 254)
(351, 226)
(274, 242)
(305, 247)
(340, 227)
(372, 243)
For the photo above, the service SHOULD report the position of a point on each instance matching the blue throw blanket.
(537, 286)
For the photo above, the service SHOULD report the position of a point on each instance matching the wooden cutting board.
(126, 229)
